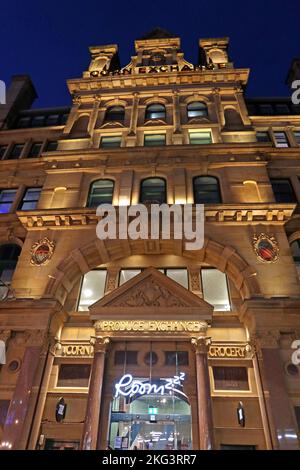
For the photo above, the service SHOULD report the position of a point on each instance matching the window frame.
(88, 205)
(115, 118)
(199, 116)
(22, 201)
(148, 112)
(218, 188)
(153, 202)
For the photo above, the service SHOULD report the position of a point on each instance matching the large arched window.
(101, 192)
(115, 113)
(196, 109)
(206, 190)
(155, 111)
(9, 255)
(153, 190)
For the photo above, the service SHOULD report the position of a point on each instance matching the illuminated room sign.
(128, 386)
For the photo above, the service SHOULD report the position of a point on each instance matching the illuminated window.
(127, 274)
(154, 140)
(92, 288)
(155, 111)
(35, 150)
(230, 378)
(110, 141)
(200, 137)
(153, 190)
(30, 199)
(297, 137)
(196, 109)
(281, 140)
(178, 275)
(115, 113)
(7, 197)
(215, 289)
(101, 192)
(263, 136)
(74, 375)
(206, 190)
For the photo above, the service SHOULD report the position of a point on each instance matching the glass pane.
(92, 289)
(37, 121)
(35, 150)
(16, 151)
(74, 375)
(197, 109)
(156, 111)
(51, 146)
(127, 274)
(281, 139)
(153, 190)
(200, 138)
(180, 276)
(297, 137)
(115, 113)
(262, 137)
(101, 193)
(206, 190)
(6, 199)
(110, 141)
(52, 120)
(295, 249)
(283, 190)
(2, 150)
(230, 378)
(215, 289)
(152, 140)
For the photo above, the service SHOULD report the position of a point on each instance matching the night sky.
(50, 40)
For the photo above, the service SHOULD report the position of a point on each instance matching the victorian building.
(143, 344)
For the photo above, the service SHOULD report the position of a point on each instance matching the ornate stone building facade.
(143, 344)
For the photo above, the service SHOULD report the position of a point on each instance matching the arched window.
(153, 190)
(115, 113)
(101, 192)
(9, 255)
(196, 109)
(155, 111)
(206, 190)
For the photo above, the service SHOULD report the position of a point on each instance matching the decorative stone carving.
(202, 343)
(41, 252)
(265, 247)
(100, 343)
(5, 335)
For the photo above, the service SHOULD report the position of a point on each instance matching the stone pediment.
(151, 293)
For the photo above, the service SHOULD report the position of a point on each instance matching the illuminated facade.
(80, 316)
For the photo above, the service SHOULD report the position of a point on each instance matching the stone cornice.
(220, 213)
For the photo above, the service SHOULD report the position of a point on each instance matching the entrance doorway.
(151, 422)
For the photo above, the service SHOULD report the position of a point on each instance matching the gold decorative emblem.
(41, 252)
(265, 247)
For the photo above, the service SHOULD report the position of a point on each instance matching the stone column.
(16, 424)
(279, 404)
(201, 346)
(134, 115)
(92, 416)
(176, 113)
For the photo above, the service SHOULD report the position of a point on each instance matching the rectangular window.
(30, 199)
(281, 140)
(283, 190)
(23, 122)
(92, 288)
(127, 274)
(263, 136)
(37, 121)
(110, 141)
(266, 109)
(297, 137)
(200, 137)
(176, 358)
(153, 140)
(52, 120)
(3, 149)
(282, 109)
(35, 150)
(51, 146)
(215, 289)
(74, 375)
(126, 357)
(230, 378)
(179, 275)
(15, 152)
(7, 197)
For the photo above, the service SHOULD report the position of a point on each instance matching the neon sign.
(128, 386)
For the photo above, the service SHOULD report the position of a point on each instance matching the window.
(38, 121)
(200, 137)
(3, 149)
(127, 274)
(51, 146)
(15, 152)
(196, 109)
(30, 199)
(155, 111)
(282, 109)
(92, 288)
(215, 289)
(263, 136)
(295, 249)
(52, 120)
(230, 378)
(74, 375)
(101, 192)
(23, 122)
(153, 190)
(297, 137)
(110, 141)
(126, 357)
(281, 139)
(153, 140)
(237, 447)
(176, 358)
(9, 255)
(7, 197)
(266, 109)
(115, 113)
(35, 150)
(283, 190)
(178, 275)
(206, 190)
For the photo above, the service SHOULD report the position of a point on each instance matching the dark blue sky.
(49, 40)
